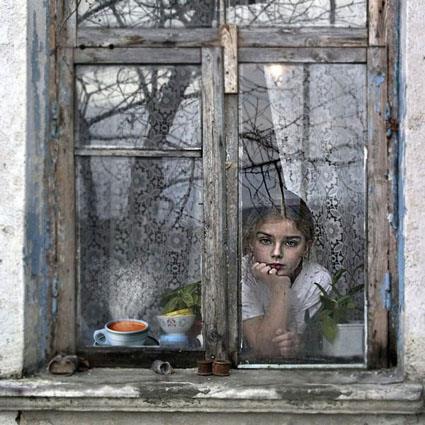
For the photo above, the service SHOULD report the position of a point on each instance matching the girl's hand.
(270, 276)
(288, 343)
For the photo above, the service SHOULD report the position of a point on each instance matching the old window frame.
(220, 140)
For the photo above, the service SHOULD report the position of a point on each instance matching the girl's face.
(279, 244)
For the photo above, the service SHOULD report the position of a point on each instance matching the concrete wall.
(13, 68)
(9, 418)
(413, 131)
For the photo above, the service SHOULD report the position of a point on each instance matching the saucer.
(174, 340)
(150, 341)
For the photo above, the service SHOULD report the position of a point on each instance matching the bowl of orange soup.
(125, 332)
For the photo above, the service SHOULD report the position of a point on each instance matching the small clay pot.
(221, 367)
(204, 367)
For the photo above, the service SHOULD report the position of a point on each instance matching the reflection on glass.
(146, 13)
(139, 232)
(139, 107)
(297, 13)
(302, 130)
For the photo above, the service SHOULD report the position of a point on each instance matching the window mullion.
(63, 223)
(377, 218)
(232, 211)
(214, 259)
(377, 17)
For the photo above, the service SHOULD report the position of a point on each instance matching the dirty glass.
(153, 107)
(139, 219)
(139, 236)
(297, 13)
(302, 136)
(146, 13)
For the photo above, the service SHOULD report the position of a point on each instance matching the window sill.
(140, 390)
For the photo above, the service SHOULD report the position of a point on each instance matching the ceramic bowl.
(176, 324)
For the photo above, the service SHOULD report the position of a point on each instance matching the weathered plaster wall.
(8, 418)
(13, 66)
(413, 126)
(102, 418)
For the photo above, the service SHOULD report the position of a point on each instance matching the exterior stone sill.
(280, 391)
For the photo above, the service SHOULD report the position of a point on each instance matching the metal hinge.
(391, 123)
(386, 287)
(54, 120)
(55, 295)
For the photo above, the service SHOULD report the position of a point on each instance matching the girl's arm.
(261, 331)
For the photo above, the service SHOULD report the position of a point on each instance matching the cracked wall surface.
(413, 69)
(13, 62)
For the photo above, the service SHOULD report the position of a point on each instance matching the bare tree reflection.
(128, 256)
(146, 13)
(202, 13)
(297, 13)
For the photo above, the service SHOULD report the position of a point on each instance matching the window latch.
(54, 119)
(391, 123)
(386, 287)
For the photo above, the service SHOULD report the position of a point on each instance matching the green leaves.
(188, 296)
(329, 326)
(171, 305)
(336, 306)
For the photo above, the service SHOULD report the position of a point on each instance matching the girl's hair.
(291, 207)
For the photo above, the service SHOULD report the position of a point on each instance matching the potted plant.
(181, 315)
(342, 336)
(184, 300)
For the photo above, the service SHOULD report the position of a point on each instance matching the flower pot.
(349, 341)
(205, 367)
(221, 367)
(175, 328)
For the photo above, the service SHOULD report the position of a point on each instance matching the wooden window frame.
(374, 45)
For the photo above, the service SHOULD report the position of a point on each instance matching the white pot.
(176, 324)
(349, 341)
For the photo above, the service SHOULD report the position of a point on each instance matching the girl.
(278, 290)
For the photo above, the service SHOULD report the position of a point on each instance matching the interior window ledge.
(140, 390)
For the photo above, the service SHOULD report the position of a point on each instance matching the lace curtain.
(308, 124)
(139, 219)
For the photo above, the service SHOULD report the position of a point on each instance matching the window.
(180, 123)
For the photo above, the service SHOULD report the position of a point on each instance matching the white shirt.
(304, 295)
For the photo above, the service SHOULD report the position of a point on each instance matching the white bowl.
(176, 324)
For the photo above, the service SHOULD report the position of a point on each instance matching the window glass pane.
(146, 13)
(297, 13)
(139, 236)
(303, 136)
(139, 106)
